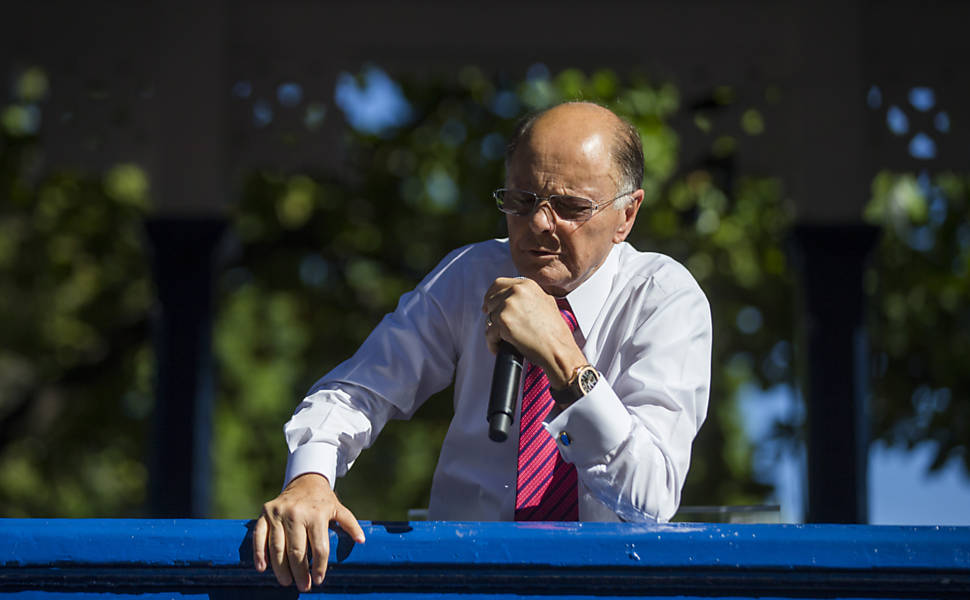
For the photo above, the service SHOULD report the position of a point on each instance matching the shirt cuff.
(592, 427)
(314, 457)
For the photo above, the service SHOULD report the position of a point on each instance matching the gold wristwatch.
(583, 380)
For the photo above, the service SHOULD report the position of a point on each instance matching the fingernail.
(318, 579)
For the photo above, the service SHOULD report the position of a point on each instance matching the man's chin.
(549, 273)
(554, 284)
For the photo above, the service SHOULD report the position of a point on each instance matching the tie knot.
(567, 313)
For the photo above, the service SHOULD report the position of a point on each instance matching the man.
(609, 410)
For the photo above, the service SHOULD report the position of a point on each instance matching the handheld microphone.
(505, 389)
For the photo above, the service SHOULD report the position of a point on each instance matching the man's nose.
(543, 218)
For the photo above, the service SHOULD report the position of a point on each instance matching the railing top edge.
(225, 543)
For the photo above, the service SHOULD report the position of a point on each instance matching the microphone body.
(505, 390)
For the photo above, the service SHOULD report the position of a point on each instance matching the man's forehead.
(588, 154)
(585, 184)
(569, 128)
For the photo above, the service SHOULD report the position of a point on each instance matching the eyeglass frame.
(538, 200)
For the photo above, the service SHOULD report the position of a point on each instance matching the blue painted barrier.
(101, 558)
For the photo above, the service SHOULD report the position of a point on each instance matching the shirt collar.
(588, 299)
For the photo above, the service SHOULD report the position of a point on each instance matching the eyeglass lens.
(522, 203)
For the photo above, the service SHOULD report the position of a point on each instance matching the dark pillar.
(183, 265)
(830, 260)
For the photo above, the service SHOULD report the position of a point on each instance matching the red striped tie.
(546, 488)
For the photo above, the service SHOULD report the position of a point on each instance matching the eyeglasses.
(568, 208)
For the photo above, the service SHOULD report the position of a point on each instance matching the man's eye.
(571, 207)
(520, 201)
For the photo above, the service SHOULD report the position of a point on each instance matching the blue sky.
(903, 492)
(901, 489)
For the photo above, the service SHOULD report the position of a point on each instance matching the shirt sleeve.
(630, 437)
(329, 429)
(408, 357)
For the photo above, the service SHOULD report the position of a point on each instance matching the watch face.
(588, 379)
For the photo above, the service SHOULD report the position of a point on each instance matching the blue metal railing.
(93, 558)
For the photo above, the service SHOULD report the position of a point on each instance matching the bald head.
(580, 126)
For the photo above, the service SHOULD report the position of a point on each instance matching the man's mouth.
(541, 253)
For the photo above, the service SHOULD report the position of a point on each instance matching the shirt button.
(564, 438)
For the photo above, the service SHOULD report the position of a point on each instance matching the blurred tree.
(320, 257)
(74, 360)
(919, 293)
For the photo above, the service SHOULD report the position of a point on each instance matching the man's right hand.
(296, 521)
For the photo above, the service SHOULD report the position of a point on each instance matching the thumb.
(348, 522)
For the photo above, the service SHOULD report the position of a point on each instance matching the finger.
(260, 530)
(348, 522)
(319, 536)
(277, 554)
(296, 555)
(497, 303)
(499, 289)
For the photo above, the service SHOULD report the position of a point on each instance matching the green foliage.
(74, 359)
(919, 289)
(322, 256)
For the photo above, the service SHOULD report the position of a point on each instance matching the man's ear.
(629, 217)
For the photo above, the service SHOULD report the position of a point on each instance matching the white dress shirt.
(644, 323)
